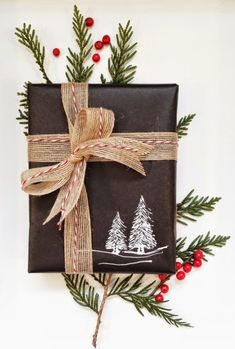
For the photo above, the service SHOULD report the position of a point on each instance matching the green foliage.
(100, 278)
(76, 69)
(164, 313)
(23, 117)
(123, 287)
(183, 125)
(130, 288)
(27, 37)
(120, 71)
(201, 242)
(140, 295)
(194, 206)
(83, 293)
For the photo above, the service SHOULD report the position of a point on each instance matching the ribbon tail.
(78, 238)
(68, 194)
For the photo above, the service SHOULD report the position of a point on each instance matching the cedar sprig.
(148, 303)
(120, 71)
(82, 292)
(193, 206)
(23, 117)
(206, 243)
(140, 295)
(76, 69)
(183, 125)
(131, 289)
(164, 313)
(28, 37)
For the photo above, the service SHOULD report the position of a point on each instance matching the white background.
(189, 42)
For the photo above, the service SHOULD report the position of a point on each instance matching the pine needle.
(99, 277)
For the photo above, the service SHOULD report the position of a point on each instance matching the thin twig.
(98, 322)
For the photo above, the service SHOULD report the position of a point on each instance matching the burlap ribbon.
(89, 137)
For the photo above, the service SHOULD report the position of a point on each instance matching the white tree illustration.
(141, 235)
(116, 240)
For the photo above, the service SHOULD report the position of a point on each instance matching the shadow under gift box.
(111, 187)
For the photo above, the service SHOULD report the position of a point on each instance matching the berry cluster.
(99, 43)
(181, 270)
(89, 21)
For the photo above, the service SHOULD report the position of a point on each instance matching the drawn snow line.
(154, 253)
(123, 264)
(147, 253)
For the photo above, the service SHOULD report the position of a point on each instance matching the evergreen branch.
(201, 242)
(23, 117)
(27, 37)
(76, 69)
(100, 278)
(120, 71)
(155, 309)
(81, 291)
(194, 206)
(183, 124)
(134, 291)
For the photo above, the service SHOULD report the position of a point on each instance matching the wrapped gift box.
(119, 197)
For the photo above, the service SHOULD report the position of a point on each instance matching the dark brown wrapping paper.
(111, 187)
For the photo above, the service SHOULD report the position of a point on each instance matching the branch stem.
(98, 322)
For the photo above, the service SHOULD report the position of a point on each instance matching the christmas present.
(102, 178)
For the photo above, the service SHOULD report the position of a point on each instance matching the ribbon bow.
(89, 130)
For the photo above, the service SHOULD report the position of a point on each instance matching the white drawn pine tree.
(141, 235)
(116, 240)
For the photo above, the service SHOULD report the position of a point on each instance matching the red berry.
(180, 275)
(106, 39)
(197, 263)
(162, 276)
(159, 298)
(187, 267)
(98, 45)
(56, 52)
(89, 21)
(198, 254)
(178, 265)
(164, 288)
(96, 57)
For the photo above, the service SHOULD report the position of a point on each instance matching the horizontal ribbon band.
(56, 147)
